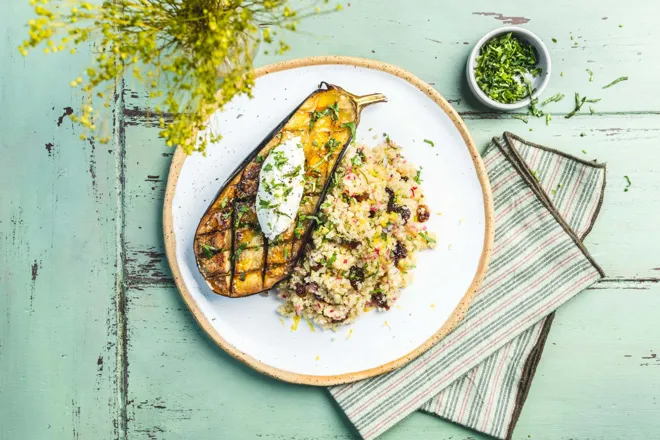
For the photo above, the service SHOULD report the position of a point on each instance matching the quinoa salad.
(362, 251)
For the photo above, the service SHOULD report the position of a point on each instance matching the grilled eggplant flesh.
(233, 255)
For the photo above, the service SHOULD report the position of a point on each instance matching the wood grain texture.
(181, 383)
(619, 242)
(77, 218)
(432, 39)
(58, 201)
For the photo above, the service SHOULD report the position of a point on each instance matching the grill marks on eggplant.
(232, 253)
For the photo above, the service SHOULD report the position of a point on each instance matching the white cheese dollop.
(281, 184)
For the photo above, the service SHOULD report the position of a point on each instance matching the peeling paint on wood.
(120, 316)
(504, 19)
(68, 111)
(35, 271)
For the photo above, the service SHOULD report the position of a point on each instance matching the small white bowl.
(539, 83)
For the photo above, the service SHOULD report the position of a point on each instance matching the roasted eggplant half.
(233, 254)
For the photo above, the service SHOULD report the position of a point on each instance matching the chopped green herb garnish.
(356, 160)
(616, 81)
(285, 251)
(331, 260)
(323, 159)
(629, 183)
(265, 204)
(591, 75)
(259, 159)
(554, 40)
(554, 98)
(532, 101)
(313, 217)
(224, 203)
(268, 167)
(427, 237)
(375, 291)
(242, 210)
(334, 111)
(316, 144)
(535, 173)
(578, 105)
(278, 212)
(299, 145)
(209, 250)
(316, 115)
(332, 144)
(593, 100)
(288, 190)
(582, 134)
(280, 159)
(502, 63)
(418, 176)
(591, 109)
(299, 229)
(429, 142)
(294, 173)
(523, 118)
(351, 126)
(548, 118)
(584, 151)
(561, 74)
(239, 250)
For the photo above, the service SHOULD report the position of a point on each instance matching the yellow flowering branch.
(193, 55)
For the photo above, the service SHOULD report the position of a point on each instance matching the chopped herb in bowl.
(508, 69)
(503, 65)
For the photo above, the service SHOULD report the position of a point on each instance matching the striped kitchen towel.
(546, 202)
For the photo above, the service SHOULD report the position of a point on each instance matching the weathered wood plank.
(597, 367)
(57, 253)
(619, 242)
(203, 401)
(432, 39)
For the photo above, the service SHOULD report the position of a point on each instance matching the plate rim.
(457, 314)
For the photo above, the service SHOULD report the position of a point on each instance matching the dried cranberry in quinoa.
(356, 276)
(353, 244)
(361, 197)
(399, 209)
(379, 300)
(399, 253)
(423, 213)
(357, 241)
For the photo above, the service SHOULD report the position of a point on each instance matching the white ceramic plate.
(445, 279)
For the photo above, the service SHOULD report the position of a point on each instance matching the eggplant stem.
(363, 101)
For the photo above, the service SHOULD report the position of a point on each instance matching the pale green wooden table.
(96, 344)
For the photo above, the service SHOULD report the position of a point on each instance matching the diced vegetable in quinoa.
(364, 242)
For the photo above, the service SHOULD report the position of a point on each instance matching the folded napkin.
(545, 202)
